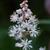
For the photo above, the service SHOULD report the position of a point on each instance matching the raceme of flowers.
(26, 25)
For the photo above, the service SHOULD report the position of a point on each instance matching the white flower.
(33, 34)
(20, 29)
(33, 20)
(18, 36)
(34, 31)
(12, 31)
(25, 44)
(14, 17)
(25, 25)
(19, 11)
(16, 32)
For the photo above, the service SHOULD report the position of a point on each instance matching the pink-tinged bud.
(26, 5)
(26, 0)
(24, 8)
(27, 15)
(21, 5)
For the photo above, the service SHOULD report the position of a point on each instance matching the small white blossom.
(34, 20)
(19, 32)
(15, 31)
(26, 25)
(18, 36)
(25, 44)
(12, 31)
(34, 32)
(14, 17)
(19, 11)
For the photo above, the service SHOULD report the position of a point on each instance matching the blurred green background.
(7, 7)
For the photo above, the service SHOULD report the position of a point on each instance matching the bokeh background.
(7, 7)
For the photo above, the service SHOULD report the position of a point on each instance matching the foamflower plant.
(25, 28)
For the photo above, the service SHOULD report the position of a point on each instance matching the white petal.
(26, 40)
(11, 35)
(29, 41)
(30, 46)
(24, 48)
(18, 45)
(14, 17)
(34, 35)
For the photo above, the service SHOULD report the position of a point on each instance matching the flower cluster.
(26, 25)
